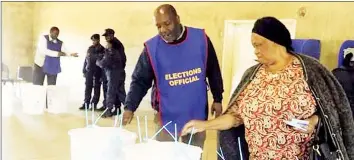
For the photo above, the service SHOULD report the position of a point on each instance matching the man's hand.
(313, 121)
(61, 54)
(74, 54)
(194, 126)
(217, 108)
(127, 117)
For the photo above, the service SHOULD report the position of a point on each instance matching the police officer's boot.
(102, 108)
(84, 106)
(110, 112)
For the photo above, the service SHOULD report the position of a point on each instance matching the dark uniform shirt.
(117, 44)
(112, 59)
(93, 53)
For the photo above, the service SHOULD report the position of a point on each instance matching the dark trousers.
(39, 75)
(116, 92)
(93, 81)
(121, 93)
(105, 88)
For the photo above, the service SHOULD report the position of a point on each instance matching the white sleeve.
(42, 48)
(65, 49)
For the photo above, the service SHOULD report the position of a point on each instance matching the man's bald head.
(167, 22)
(166, 9)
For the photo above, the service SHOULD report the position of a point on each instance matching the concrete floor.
(45, 137)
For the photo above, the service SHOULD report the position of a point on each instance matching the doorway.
(238, 51)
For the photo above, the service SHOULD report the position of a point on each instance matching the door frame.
(228, 59)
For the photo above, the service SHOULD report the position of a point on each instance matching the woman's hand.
(223, 122)
(195, 125)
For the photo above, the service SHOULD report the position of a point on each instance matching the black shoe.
(101, 109)
(109, 113)
(84, 105)
(112, 112)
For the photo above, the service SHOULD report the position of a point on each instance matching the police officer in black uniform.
(92, 72)
(113, 66)
(117, 45)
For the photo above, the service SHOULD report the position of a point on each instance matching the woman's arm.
(223, 122)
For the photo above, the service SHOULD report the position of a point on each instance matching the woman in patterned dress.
(284, 85)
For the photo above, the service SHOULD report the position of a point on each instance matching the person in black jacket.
(92, 72)
(113, 66)
(117, 45)
(345, 76)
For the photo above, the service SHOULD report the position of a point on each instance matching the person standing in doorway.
(178, 60)
(47, 59)
(92, 72)
(117, 45)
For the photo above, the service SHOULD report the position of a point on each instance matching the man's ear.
(178, 19)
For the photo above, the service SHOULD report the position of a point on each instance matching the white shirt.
(183, 29)
(42, 50)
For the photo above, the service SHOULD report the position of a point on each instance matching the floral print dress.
(263, 106)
